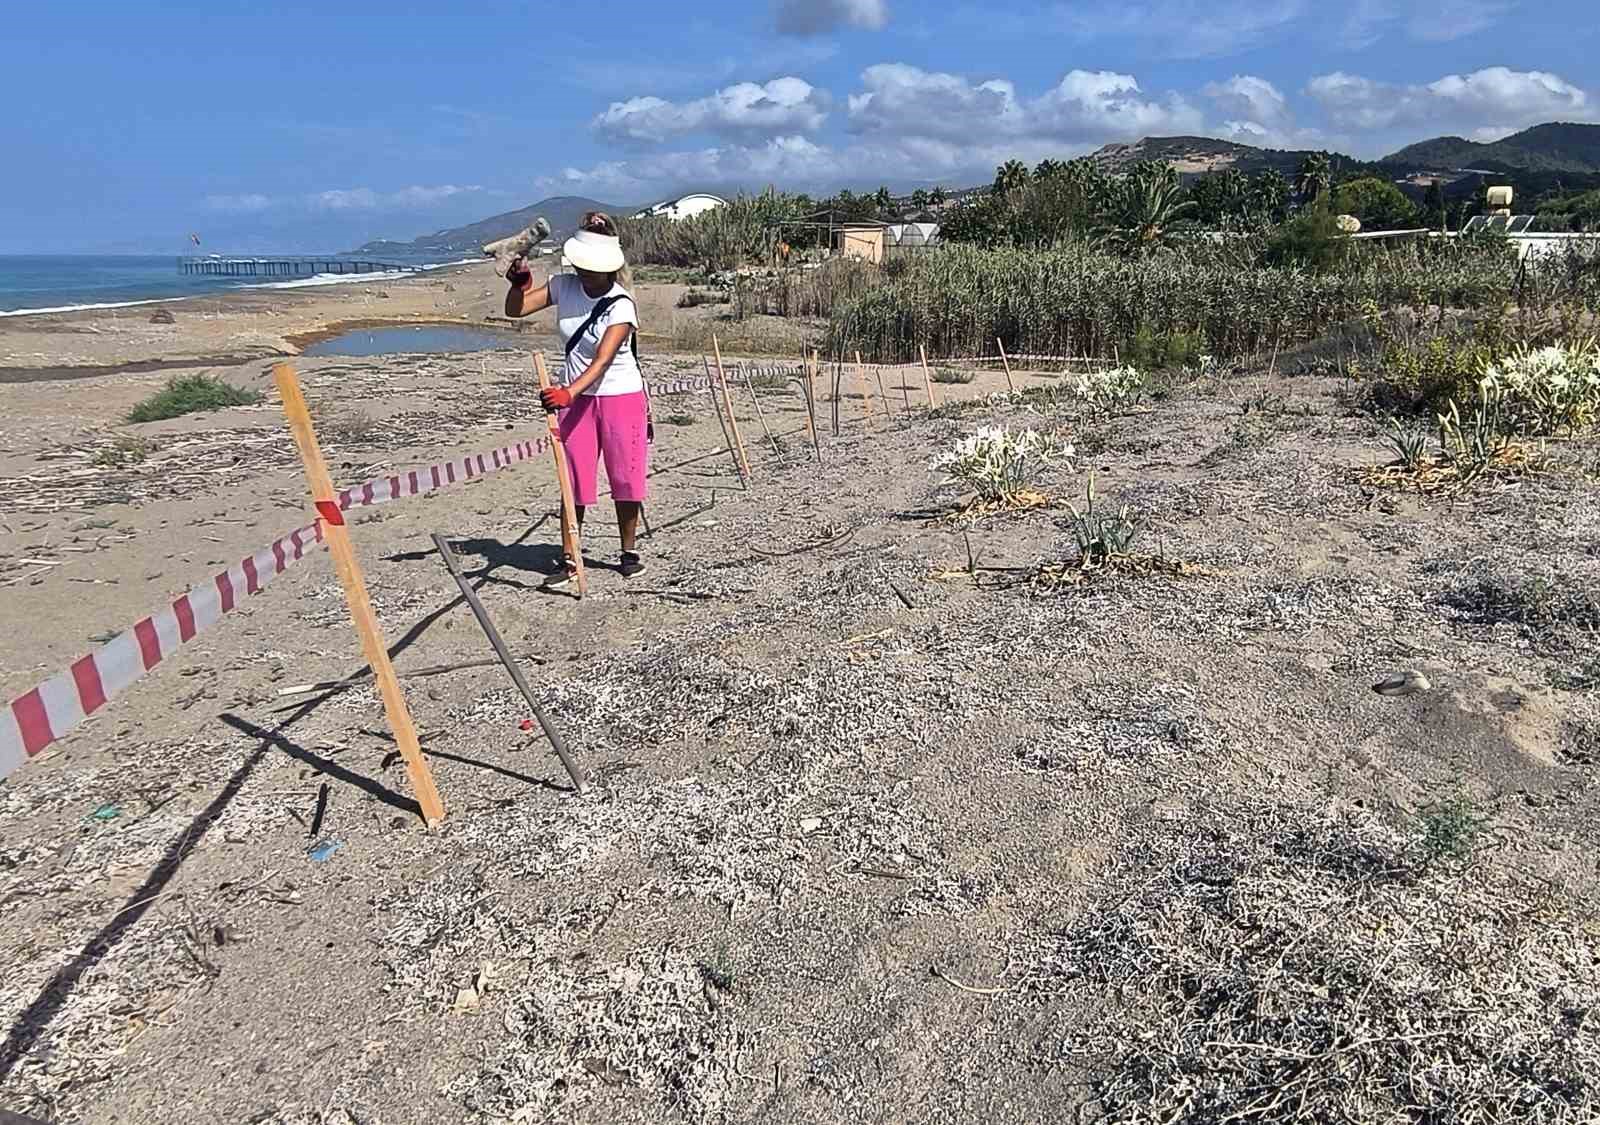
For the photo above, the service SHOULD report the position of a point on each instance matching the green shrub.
(191, 394)
(1311, 240)
(1155, 351)
(694, 298)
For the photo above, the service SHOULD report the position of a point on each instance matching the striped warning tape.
(39, 717)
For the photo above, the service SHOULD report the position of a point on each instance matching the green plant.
(1475, 445)
(1144, 210)
(125, 449)
(1449, 829)
(191, 394)
(1377, 203)
(1410, 443)
(1100, 534)
(953, 375)
(1550, 390)
(694, 298)
(1113, 389)
(997, 463)
(1151, 350)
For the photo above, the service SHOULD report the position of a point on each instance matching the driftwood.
(506, 250)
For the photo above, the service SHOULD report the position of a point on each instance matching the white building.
(682, 207)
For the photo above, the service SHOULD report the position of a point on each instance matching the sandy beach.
(889, 816)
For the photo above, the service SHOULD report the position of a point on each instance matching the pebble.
(1409, 682)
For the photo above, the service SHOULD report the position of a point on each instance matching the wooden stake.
(326, 502)
(1007, 362)
(727, 438)
(727, 399)
(811, 404)
(750, 384)
(557, 743)
(888, 408)
(571, 537)
(927, 379)
(866, 391)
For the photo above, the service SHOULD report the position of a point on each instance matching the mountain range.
(564, 212)
(1534, 161)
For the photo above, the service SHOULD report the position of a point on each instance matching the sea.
(43, 283)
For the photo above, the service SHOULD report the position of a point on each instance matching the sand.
(874, 839)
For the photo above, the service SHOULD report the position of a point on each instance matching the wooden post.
(866, 391)
(727, 400)
(888, 409)
(927, 379)
(557, 743)
(750, 384)
(727, 439)
(811, 404)
(571, 538)
(326, 502)
(1007, 363)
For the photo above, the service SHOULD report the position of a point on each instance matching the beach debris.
(1408, 682)
(320, 852)
(505, 250)
(163, 316)
(105, 813)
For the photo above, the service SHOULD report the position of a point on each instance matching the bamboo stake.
(727, 439)
(927, 379)
(761, 414)
(811, 404)
(326, 502)
(866, 391)
(727, 399)
(557, 743)
(571, 537)
(888, 407)
(1007, 362)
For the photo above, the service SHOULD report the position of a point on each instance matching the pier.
(283, 267)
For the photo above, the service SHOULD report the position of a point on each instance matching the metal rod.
(500, 650)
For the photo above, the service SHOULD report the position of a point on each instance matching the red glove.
(519, 276)
(555, 398)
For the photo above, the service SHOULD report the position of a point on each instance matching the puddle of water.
(431, 339)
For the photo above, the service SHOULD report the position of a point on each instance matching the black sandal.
(631, 564)
(561, 577)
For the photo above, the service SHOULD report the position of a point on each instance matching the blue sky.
(298, 125)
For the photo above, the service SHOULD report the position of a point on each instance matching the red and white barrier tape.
(39, 717)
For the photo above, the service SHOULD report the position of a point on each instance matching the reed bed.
(1076, 300)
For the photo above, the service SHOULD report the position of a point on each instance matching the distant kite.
(195, 238)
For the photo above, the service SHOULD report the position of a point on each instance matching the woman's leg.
(624, 441)
(580, 439)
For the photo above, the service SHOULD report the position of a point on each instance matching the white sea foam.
(300, 283)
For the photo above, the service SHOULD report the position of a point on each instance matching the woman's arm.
(610, 344)
(525, 302)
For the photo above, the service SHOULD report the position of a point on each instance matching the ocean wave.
(81, 308)
(299, 283)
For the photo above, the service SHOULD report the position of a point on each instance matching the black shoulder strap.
(600, 308)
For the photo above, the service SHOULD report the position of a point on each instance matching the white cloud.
(1493, 98)
(415, 197)
(1428, 21)
(817, 17)
(1253, 98)
(240, 204)
(783, 105)
(905, 102)
(1179, 28)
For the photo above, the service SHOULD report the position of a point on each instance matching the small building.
(862, 239)
(684, 206)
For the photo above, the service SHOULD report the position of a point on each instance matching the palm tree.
(1146, 207)
(936, 196)
(919, 199)
(883, 200)
(1314, 177)
(1010, 176)
(1047, 168)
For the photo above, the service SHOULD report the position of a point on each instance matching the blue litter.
(106, 812)
(322, 851)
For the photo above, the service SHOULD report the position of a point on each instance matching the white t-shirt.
(573, 307)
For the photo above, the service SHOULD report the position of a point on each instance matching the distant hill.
(1194, 156)
(563, 211)
(1555, 147)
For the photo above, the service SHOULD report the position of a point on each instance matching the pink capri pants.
(612, 426)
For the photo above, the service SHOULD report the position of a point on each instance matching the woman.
(604, 411)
